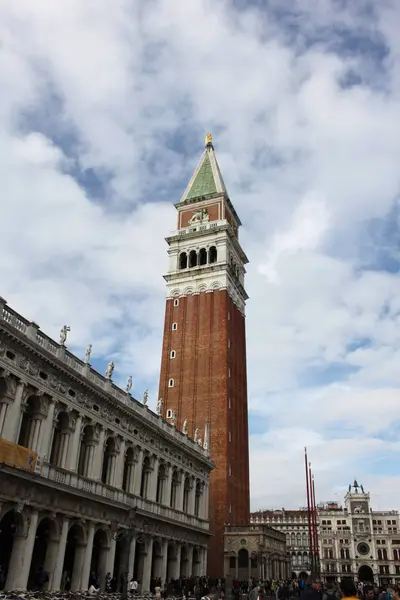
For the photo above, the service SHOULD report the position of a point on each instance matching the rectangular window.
(172, 354)
(229, 403)
(230, 471)
(171, 383)
(174, 326)
(229, 343)
(230, 436)
(176, 302)
(229, 316)
(229, 371)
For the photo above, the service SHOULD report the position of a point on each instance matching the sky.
(103, 111)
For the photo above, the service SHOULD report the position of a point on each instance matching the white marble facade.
(120, 490)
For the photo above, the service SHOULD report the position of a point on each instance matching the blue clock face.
(363, 548)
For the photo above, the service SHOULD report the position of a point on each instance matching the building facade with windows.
(91, 480)
(203, 379)
(354, 540)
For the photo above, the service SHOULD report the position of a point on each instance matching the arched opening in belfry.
(193, 259)
(60, 445)
(107, 473)
(43, 554)
(144, 486)
(30, 426)
(73, 560)
(129, 471)
(212, 253)
(365, 573)
(161, 483)
(10, 525)
(203, 256)
(86, 453)
(99, 557)
(183, 260)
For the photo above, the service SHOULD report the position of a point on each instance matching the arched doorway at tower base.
(365, 573)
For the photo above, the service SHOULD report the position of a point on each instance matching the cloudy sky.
(103, 110)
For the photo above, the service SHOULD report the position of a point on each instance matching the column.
(153, 480)
(21, 557)
(177, 563)
(190, 561)
(63, 451)
(72, 462)
(13, 416)
(47, 434)
(111, 557)
(130, 477)
(89, 460)
(112, 461)
(99, 457)
(55, 580)
(192, 496)
(148, 559)
(131, 559)
(167, 488)
(181, 492)
(204, 560)
(138, 474)
(79, 560)
(164, 562)
(35, 433)
(84, 584)
(3, 412)
(203, 514)
(119, 469)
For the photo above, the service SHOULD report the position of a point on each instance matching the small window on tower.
(229, 371)
(229, 403)
(230, 471)
(172, 354)
(230, 508)
(176, 302)
(174, 326)
(229, 343)
(230, 436)
(171, 383)
(212, 253)
(169, 413)
(229, 316)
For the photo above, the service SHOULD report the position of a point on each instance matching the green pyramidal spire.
(206, 179)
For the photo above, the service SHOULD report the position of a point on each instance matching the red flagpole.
(316, 545)
(310, 536)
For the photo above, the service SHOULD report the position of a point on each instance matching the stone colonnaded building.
(354, 540)
(256, 551)
(91, 480)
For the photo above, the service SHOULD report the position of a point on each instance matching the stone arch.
(74, 557)
(146, 470)
(157, 560)
(35, 410)
(129, 470)
(60, 444)
(196, 563)
(86, 452)
(187, 291)
(12, 525)
(183, 260)
(215, 285)
(109, 460)
(175, 483)
(98, 565)
(202, 288)
(44, 549)
(365, 573)
(161, 482)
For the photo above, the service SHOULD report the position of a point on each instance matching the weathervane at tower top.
(208, 140)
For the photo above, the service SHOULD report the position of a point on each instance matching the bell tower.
(203, 367)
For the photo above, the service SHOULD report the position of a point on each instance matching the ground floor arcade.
(73, 539)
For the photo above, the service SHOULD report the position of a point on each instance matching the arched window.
(395, 555)
(161, 482)
(384, 554)
(203, 256)
(197, 499)
(183, 260)
(243, 559)
(174, 489)
(212, 255)
(186, 493)
(379, 554)
(298, 539)
(144, 486)
(193, 258)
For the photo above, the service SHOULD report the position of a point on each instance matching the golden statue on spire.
(208, 139)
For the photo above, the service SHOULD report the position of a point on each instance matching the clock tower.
(203, 366)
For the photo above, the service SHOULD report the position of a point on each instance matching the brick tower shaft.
(203, 367)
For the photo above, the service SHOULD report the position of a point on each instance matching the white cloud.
(128, 91)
